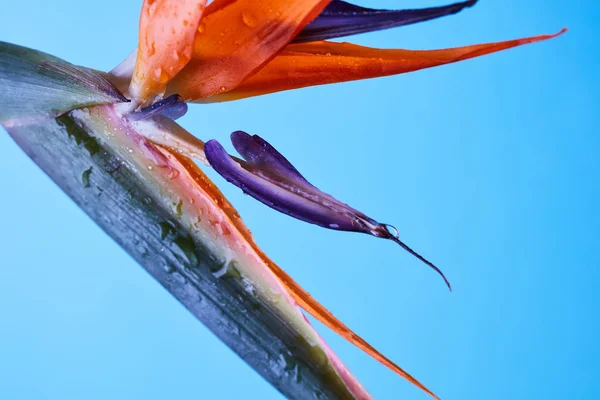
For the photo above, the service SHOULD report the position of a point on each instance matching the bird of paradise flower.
(193, 52)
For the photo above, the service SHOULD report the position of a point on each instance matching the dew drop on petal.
(392, 230)
(248, 19)
(173, 173)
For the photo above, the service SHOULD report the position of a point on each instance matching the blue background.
(488, 167)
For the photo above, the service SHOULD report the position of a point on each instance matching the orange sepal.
(236, 38)
(166, 38)
(319, 63)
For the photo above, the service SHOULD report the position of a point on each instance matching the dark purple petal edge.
(260, 154)
(340, 18)
(271, 179)
(172, 107)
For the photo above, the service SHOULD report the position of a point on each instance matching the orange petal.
(319, 63)
(236, 37)
(316, 309)
(166, 38)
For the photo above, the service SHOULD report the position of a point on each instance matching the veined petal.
(166, 38)
(271, 179)
(319, 63)
(236, 38)
(343, 19)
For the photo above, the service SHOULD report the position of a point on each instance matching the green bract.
(36, 86)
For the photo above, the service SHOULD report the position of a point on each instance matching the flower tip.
(238, 136)
(557, 34)
(390, 232)
(212, 146)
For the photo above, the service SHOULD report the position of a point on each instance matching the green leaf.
(36, 86)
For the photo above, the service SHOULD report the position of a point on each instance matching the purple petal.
(271, 179)
(172, 107)
(271, 194)
(344, 19)
(261, 155)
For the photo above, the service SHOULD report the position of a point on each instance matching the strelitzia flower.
(171, 217)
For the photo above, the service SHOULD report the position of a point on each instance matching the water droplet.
(161, 75)
(169, 269)
(221, 271)
(201, 27)
(176, 55)
(248, 19)
(173, 173)
(392, 230)
(151, 49)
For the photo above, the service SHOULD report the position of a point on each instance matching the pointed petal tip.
(420, 257)
(341, 18)
(540, 38)
(387, 231)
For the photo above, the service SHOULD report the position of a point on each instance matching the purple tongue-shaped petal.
(271, 179)
(344, 19)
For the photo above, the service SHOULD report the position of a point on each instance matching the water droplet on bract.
(161, 75)
(392, 230)
(151, 49)
(173, 173)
